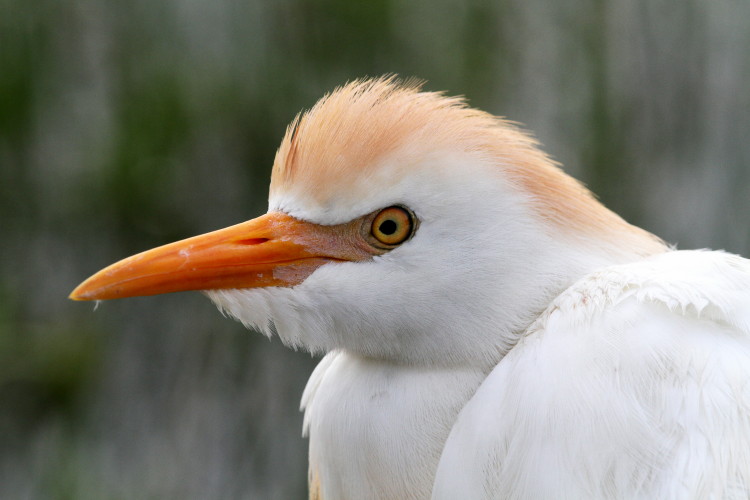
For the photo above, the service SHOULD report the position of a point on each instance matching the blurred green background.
(125, 124)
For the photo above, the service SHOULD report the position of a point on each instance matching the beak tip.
(77, 296)
(83, 293)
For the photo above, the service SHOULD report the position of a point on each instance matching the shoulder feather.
(635, 383)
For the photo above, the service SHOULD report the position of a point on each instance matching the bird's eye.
(392, 226)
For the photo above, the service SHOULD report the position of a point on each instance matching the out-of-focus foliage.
(125, 124)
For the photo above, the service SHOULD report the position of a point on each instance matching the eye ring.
(392, 226)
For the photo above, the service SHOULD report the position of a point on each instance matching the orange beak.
(272, 250)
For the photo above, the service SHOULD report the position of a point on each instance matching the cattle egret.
(490, 330)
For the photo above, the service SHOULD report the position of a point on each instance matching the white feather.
(635, 383)
(380, 433)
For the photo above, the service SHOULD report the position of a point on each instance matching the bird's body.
(490, 329)
(633, 383)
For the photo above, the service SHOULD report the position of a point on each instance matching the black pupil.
(388, 227)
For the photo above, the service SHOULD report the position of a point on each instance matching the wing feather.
(635, 383)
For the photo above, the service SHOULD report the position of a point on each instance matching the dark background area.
(126, 124)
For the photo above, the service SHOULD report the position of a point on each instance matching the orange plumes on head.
(349, 130)
(345, 137)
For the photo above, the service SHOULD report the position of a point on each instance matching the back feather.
(635, 383)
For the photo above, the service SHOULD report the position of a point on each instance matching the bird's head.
(402, 225)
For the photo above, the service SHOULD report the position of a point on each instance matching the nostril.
(253, 241)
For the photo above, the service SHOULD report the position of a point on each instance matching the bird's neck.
(560, 259)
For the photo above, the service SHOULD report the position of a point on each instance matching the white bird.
(490, 330)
